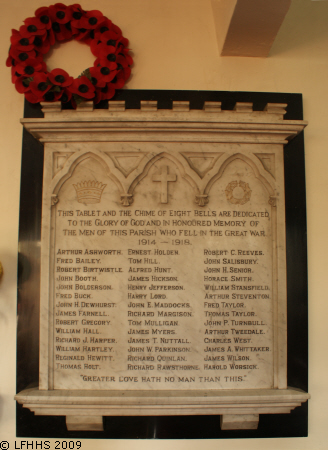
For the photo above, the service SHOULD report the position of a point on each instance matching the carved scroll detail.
(54, 199)
(201, 199)
(273, 201)
(126, 199)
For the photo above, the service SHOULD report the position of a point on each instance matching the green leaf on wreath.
(78, 99)
(85, 73)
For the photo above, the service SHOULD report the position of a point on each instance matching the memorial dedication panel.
(163, 263)
(163, 288)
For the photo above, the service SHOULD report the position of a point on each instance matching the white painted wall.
(174, 46)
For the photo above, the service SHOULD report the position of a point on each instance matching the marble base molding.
(238, 409)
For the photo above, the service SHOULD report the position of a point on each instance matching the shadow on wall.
(305, 26)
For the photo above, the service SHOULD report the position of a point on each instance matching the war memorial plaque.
(163, 282)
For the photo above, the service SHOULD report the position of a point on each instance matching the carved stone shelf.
(238, 409)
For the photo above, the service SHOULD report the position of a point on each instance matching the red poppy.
(116, 29)
(119, 81)
(51, 37)
(123, 61)
(77, 15)
(108, 72)
(105, 93)
(60, 13)
(22, 85)
(52, 96)
(10, 61)
(104, 26)
(124, 51)
(94, 44)
(66, 96)
(60, 78)
(101, 49)
(32, 98)
(40, 84)
(61, 32)
(105, 50)
(43, 15)
(29, 67)
(111, 65)
(20, 42)
(14, 75)
(81, 34)
(42, 43)
(19, 55)
(76, 8)
(97, 78)
(33, 27)
(90, 20)
(108, 57)
(83, 87)
(124, 41)
(109, 38)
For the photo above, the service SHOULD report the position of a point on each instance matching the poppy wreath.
(63, 23)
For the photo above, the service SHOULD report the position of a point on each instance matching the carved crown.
(89, 191)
